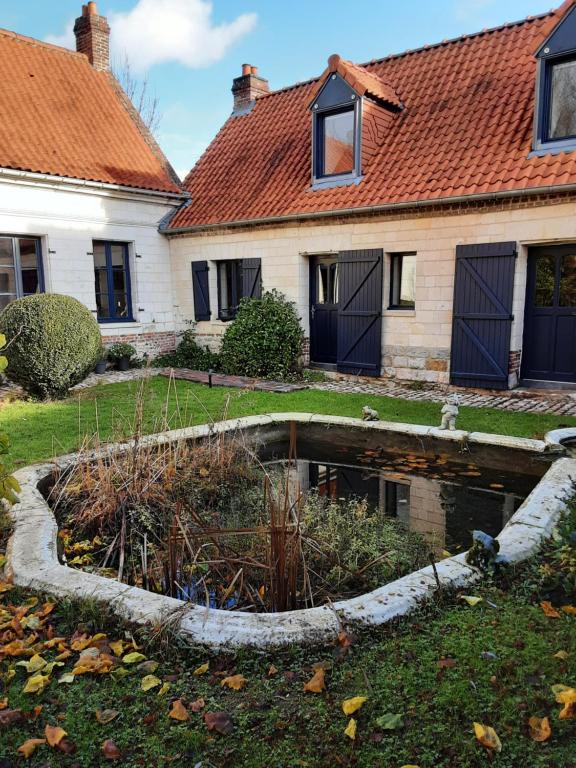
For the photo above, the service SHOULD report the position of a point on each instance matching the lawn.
(40, 431)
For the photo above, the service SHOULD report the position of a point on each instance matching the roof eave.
(338, 212)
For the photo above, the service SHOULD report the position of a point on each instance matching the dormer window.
(335, 134)
(555, 119)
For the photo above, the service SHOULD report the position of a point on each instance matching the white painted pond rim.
(32, 559)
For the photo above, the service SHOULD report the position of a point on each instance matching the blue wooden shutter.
(200, 290)
(482, 320)
(251, 278)
(360, 312)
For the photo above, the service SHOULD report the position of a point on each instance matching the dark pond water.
(443, 494)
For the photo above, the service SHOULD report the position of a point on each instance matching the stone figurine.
(450, 412)
(369, 414)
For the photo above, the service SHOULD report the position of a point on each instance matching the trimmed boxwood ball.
(265, 340)
(54, 342)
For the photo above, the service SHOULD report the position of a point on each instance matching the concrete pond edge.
(32, 559)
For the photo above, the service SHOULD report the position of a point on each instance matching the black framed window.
(402, 281)
(21, 272)
(230, 288)
(336, 114)
(555, 116)
(112, 282)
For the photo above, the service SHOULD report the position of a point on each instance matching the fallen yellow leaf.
(164, 689)
(4, 703)
(117, 647)
(202, 669)
(35, 664)
(562, 655)
(566, 696)
(36, 684)
(54, 735)
(236, 682)
(133, 658)
(105, 716)
(539, 728)
(488, 737)
(349, 706)
(316, 684)
(27, 749)
(149, 682)
(569, 609)
(350, 730)
(471, 599)
(549, 610)
(178, 711)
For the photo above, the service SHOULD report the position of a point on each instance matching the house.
(83, 187)
(420, 209)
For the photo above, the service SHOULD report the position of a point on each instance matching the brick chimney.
(247, 88)
(93, 36)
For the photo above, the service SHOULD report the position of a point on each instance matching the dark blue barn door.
(482, 320)
(549, 349)
(360, 312)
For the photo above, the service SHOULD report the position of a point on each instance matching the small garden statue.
(450, 412)
(369, 414)
(483, 554)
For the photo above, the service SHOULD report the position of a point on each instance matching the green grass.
(277, 724)
(40, 431)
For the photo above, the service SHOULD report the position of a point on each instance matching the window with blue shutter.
(200, 290)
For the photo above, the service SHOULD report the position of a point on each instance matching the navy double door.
(346, 311)
(549, 350)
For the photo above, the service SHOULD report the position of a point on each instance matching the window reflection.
(339, 143)
(568, 281)
(563, 100)
(545, 279)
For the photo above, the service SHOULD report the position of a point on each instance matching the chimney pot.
(247, 88)
(93, 36)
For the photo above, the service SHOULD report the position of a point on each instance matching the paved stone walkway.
(521, 400)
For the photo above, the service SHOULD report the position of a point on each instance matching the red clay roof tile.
(61, 117)
(466, 128)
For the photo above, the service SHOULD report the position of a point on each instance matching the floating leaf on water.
(349, 706)
(488, 737)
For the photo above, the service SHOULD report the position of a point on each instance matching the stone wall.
(415, 344)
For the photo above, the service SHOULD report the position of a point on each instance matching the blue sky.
(191, 70)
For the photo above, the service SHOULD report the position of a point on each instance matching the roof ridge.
(40, 43)
(420, 49)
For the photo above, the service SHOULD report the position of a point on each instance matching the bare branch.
(139, 92)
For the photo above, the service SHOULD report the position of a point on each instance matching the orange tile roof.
(59, 116)
(466, 129)
(361, 80)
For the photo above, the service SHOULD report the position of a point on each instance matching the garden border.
(32, 559)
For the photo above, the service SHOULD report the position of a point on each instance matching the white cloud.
(159, 31)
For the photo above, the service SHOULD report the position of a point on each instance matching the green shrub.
(189, 354)
(265, 340)
(54, 343)
(119, 350)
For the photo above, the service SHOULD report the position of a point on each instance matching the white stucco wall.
(68, 218)
(415, 344)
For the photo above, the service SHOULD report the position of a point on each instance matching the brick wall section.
(151, 344)
(93, 37)
(247, 88)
